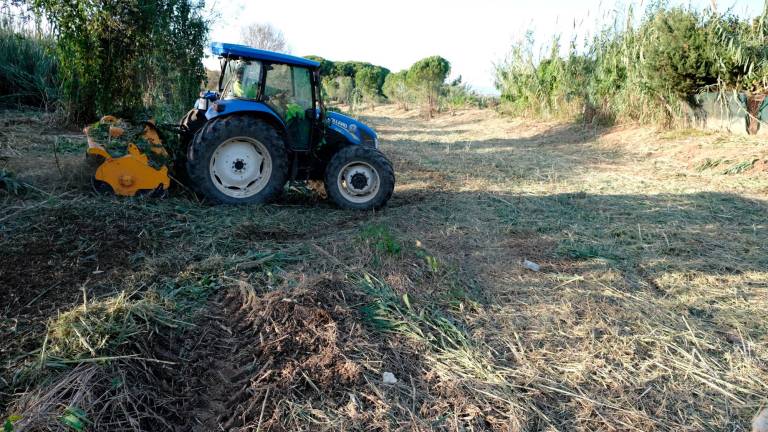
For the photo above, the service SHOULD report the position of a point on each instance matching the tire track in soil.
(261, 349)
(218, 381)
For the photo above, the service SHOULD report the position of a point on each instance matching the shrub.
(457, 95)
(124, 57)
(679, 58)
(528, 88)
(743, 58)
(625, 72)
(28, 70)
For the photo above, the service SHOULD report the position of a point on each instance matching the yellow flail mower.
(132, 160)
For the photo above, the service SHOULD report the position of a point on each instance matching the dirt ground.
(648, 312)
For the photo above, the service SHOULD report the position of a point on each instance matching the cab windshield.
(241, 79)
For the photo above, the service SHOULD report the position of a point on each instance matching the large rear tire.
(188, 127)
(238, 160)
(359, 178)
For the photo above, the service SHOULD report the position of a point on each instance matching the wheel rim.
(240, 167)
(358, 182)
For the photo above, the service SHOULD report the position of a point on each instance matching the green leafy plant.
(75, 418)
(456, 95)
(9, 182)
(294, 112)
(632, 70)
(678, 56)
(382, 239)
(432, 262)
(9, 422)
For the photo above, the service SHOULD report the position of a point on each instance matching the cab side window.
(302, 87)
(286, 85)
(278, 88)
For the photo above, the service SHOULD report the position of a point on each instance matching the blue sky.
(472, 35)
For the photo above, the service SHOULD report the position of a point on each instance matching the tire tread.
(219, 130)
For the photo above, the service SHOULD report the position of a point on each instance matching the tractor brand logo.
(351, 128)
(339, 123)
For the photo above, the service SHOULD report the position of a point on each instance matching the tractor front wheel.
(359, 178)
(238, 160)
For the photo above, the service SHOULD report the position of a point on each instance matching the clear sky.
(471, 34)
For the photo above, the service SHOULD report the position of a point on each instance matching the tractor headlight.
(369, 140)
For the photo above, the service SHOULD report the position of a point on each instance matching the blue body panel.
(349, 127)
(248, 53)
(234, 106)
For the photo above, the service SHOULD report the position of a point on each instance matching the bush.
(743, 58)
(28, 70)
(530, 89)
(457, 95)
(644, 73)
(126, 57)
(679, 57)
(346, 89)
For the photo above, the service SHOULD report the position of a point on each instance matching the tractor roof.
(248, 53)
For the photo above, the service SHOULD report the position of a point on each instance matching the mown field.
(648, 312)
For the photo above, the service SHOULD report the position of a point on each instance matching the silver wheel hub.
(240, 167)
(359, 182)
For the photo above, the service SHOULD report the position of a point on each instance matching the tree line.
(423, 84)
(652, 69)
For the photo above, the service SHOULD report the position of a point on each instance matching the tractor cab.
(283, 86)
(266, 125)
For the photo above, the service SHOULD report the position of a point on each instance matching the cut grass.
(641, 318)
(740, 167)
(97, 330)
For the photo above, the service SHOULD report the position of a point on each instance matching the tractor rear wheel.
(238, 160)
(359, 178)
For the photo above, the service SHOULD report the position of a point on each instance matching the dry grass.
(647, 313)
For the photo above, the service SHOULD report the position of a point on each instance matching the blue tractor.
(267, 125)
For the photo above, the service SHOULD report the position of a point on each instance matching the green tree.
(326, 66)
(396, 88)
(346, 89)
(331, 88)
(123, 57)
(367, 81)
(426, 77)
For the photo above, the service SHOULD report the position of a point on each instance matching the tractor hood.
(355, 131)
